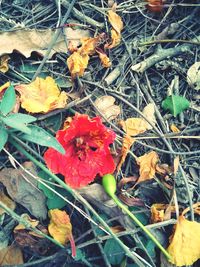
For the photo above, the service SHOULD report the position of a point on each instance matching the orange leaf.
(126, 145)
(116, 39)
(174, 129)
(89, 45)
(104, 59)
(77, 64)
(60, 227)
(184, 245)
(115, 20)
(155, 5)
(41, 95)
(134, 126)
(161, 212)
(147, 164)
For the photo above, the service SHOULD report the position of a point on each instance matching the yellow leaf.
(174, 128)
(89, 45)
(77, 64)
(104, 59)
(4, 86)
(126, 145)
(184, 247)
(60, 227)
(4, 63)
(41, 95)
(11, 255)
(26, 217)
(115, 20)
(147, 164)
(116, 39)
(7, 201)
(134, 126)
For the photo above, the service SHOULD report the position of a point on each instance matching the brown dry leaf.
(174, 128)
(105, 61)
(77, 64)
(133, 126)
(149, 113)
(161, 212)
(147, 164)
(116, 39)
(27, 41)
(41, 95)
(117, 229)
(89, 45)
(193, 76)
(11, 255)
(126, 145)
(60, 226)
(22, 188)
(176, 164)
(105, 104)
(26, 217)
(4, 63)
(7, 201)
(196, 208)
(184, 245)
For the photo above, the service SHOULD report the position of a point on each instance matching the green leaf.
(113, 252)
(43, 138)
(8, 100)
(22, 118)
(48, 193)
(3, 137)
(175, 104)
(11, 122)
(56, 202)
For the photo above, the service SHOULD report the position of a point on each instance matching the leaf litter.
(154, 150)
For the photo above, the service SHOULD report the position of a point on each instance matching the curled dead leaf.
(174, 128)
(41, 95)
(193, 76)
(126, 145)
(147, 164)
(105, 61)
(161, 212)
(105, 104)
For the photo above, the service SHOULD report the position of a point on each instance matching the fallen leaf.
(174, 128)
(155, 5)
(149, 114)
(133, 126)
(11, 255)
(7, 201)
(147, 164)
(131, 201)
(117, 24)
(176, 164)
(89, 45)
(27, 41)
(4, 63)
(193, 76)
(175, 104)
(77, 64)
(105, 104)
(126, 145)
(184, 247)
(161, 212)
(3, 88)
(60, 226)
(41, 95)
(115, 20)
(117, 229)
(27, 238)
(22, 188)
(105, 61)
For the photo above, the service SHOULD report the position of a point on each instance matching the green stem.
(149, 234)
(131, 254)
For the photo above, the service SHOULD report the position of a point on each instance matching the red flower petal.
(86, 143)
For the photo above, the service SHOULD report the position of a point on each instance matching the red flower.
(86, 142)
